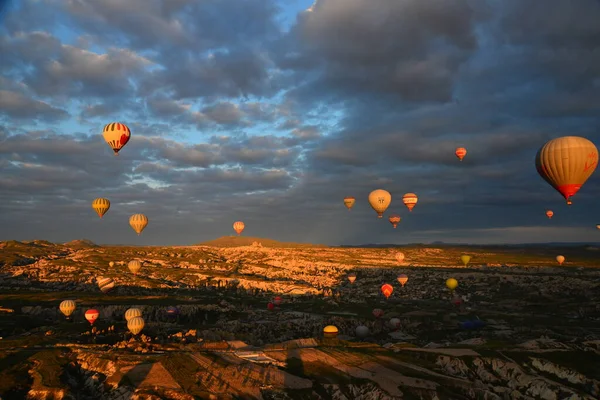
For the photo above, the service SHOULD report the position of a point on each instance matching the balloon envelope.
(238, 226)
(380, 200)
(465, 259)
(560, 259)
(410, 200)
(116, 135)
(135, 325)
(460, 152)
(362, 331)
(349, 202)
(352, 277)
(402, 279)
(400, 256)
(387, 290)
(67, 307)
(105, 284)
(394, 220)
(101, 206)
(132, 313)
(92, 315)
(138, 222)
(451, 283)
(134, 266)
(549, 214)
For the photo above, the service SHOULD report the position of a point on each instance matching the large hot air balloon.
(549, 214)
(394, 220)
(387, 290)
(352, 277)
(349, 202)
(380, 200)
(67, 307)
(132, 313)
(238, 226)
(92, 315)
(134, 266)
(135, 325)
(395, 323)
(410, 200)
(330, 331)
(362, 331)
(116, 135)
(400, 256)
(560, 259)
(138, 222)
(460, 152)
(378, 312)
(101, 206)
(105, 284)
(465, 259)
(402, 279)
(451, 283)
(277, 300)
(566, 163)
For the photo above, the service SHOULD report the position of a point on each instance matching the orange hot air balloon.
(387, 290)
(352, 277)
(566, 163)
(349, 202)
(549, 214)
(116, 135)
(380, 200)
(402, 279)
(560, 259)
(400, 256)
(238, 226)
(410, 200)
(92, 315)
(378, 313)
(460, 152)
(394, 220)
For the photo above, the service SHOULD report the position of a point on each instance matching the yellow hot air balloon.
(465, 259)
(349, 202)
(116, 135)
(410, 200)
(598, 226)
(560, 259)
(380, 200)
(400, 256)
(238, 226)
(111, 264)
(138, 222)
(67, 307)
(101, 206)
(105, 284)
(135, 325)
(566, 163)
(132, 313)
(134, 266)
(451, 283)
(330, 331)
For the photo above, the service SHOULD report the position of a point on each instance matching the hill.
(237, 241)
(81, 244)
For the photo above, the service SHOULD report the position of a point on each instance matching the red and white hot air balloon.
(387, 290)
(460, 152)
(92, 315)
(238, 226)
(378, 313)
(410, 200)
(394, 220)
(549, 214)
(277, 300)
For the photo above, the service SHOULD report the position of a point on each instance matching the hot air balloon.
(105, 284)
(378, 313)
(135, 325)
(460, 152)
(330, 331)
(277, 300)
(598, 226)
(400, 256)
(395, 323)
(172, 311)
(465, 259)
(111, 264)
(560, 259)
(380, 200)
(549, 214)
(362, 331)
(67, 307)
(387, 290)
(410, 200)
(134, 266)
(101, 206)
(349, 202)
(394, 220)
(451, 283)
(566, 163)
(138, 222)
(116, 135)
(402, 279)
(92, 315)
(457, 301)
(352, 277)
(238, 226)
(270, 306)
(132, 313)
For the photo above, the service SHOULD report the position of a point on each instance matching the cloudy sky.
(271, 112)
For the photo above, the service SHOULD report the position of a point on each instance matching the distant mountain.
(81, 244)
(237, 241)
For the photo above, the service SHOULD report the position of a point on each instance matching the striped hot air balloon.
(549, 214)
(394, 220)
(238, 226)
(460, 152)
(92, 315)
(67, 307)
(402, 279)
(387, 290)
(105, 284)
(410, 200)
(400, 256)
(138, 222)
(101, 206)
(135, 325)
(352, 277)
(134, 266)
(116, 135)
(132, 313)
(349, 202)
(380, 200)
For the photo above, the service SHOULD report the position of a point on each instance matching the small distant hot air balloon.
(238, 226)
(560, 259)
(116, 135)
(394, 220)
(378, 313)
(352, 277)
(451, 283)
(387, 290)
(380, 200)
(67, 307)
(400, 256)
(132, 313)
(465, 259)
(330, 331)
(105, 284)
(457, 301)
(349, 202)
(460, 152)
(362, 331)
(549, 214)
(92, 315)
(402, 279)
(111, 264)
(134, 266)
(598, 226)
(135, 325)
(277, 300)
(172, 311)
(410, 200)
(101, 206)
(138, 222)
(395, 323)
(270, 306)
(566, 163)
